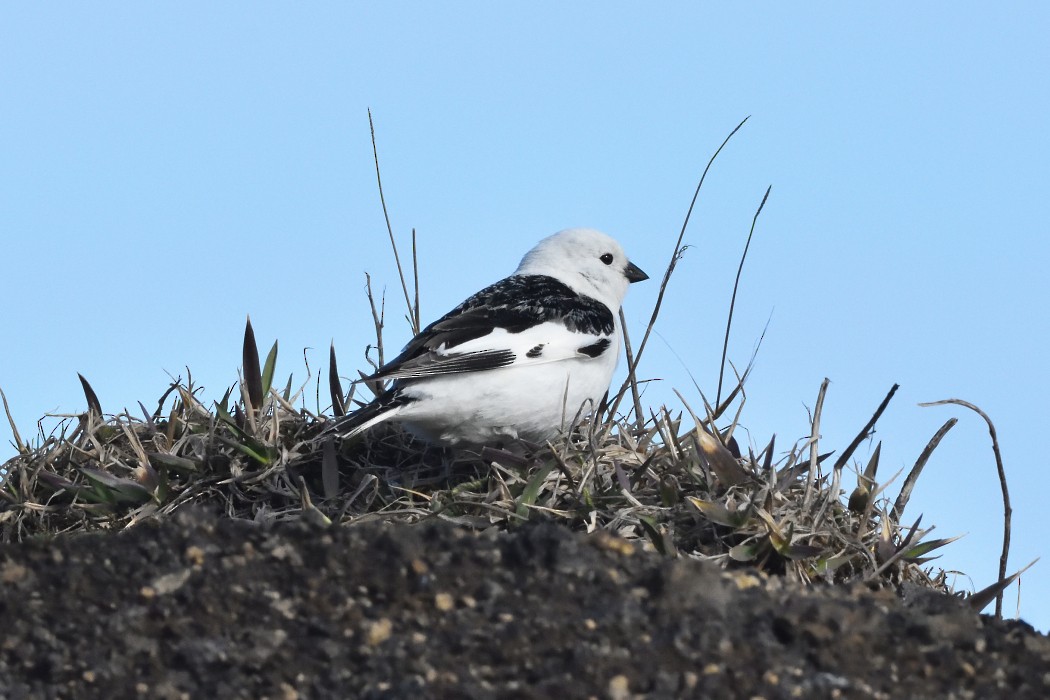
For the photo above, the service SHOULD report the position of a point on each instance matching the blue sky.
(168, 168)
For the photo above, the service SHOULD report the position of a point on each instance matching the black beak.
(634, 273)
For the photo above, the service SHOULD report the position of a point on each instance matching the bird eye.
(607, 258)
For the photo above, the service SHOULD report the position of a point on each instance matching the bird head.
(588, 261)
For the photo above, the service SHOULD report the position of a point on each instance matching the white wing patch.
(542, 344)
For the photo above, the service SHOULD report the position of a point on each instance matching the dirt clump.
(206, 606)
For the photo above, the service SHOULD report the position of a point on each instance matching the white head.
(588, 261)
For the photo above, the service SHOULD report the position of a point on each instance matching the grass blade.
(814, 438)
(114, 489)
(335, 387)
(979, 600)
(676, 255)
(732, 301)
(660, 538)
(329, 469)
(866, 431)
(92, 399)
(924, 548)
(250, 363)
(268, 370)
(532, 490)
(1007, 510)
(22, 449)
(909, 483)
(718, 513)
(390, 230)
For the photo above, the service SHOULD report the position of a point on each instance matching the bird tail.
(381, 408)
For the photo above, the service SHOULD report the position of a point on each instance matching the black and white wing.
(522, 319)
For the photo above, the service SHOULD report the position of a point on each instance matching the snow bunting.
(518, 360)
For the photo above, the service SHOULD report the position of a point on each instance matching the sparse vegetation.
(675, 483)
(672, 479)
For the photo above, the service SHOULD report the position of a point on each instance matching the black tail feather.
(376, 411)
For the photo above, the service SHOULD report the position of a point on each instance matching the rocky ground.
(208, 607)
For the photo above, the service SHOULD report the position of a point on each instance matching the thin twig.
(22, 449)
(814, 439)
(416, 326)
(1007, 510)
(638, 415)
(389, 228)
(715, 412)
(732, 301)
(913, 476)
(867, 431)
(377, 317)
(676, 255)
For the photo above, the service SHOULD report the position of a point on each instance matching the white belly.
(531, 402)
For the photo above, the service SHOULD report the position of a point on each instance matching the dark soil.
(207, 607)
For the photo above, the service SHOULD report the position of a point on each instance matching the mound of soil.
(207, 607)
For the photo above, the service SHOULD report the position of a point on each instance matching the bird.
(519, 360)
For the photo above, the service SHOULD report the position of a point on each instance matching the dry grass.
(669, 478)
(672, 482)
